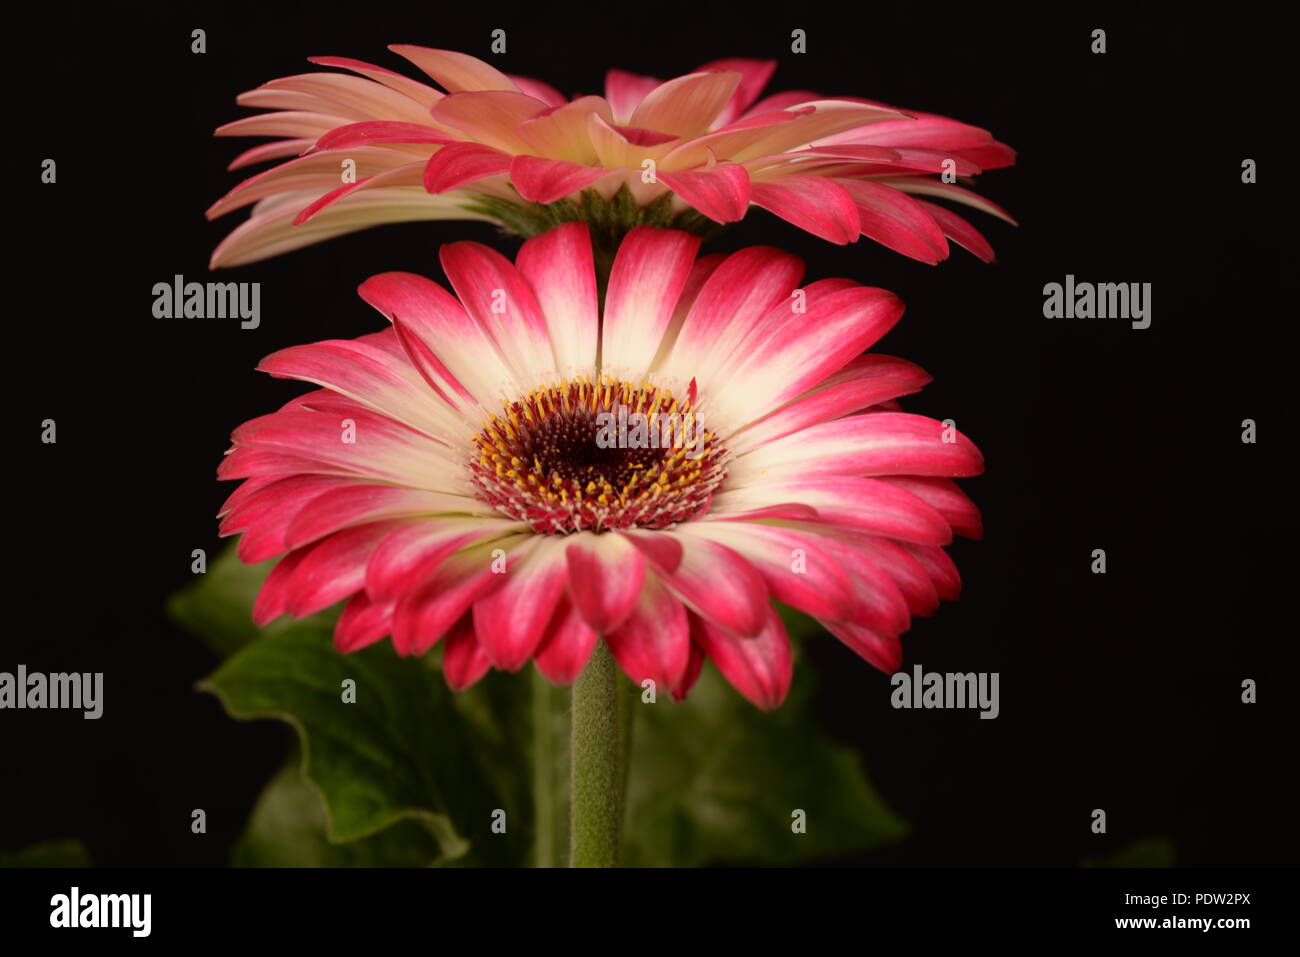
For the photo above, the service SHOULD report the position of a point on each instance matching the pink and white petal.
(425, 614)
(539, 90)
(864, 382)
(624, 91)
(558, 265)
(298, 124)
(754, 75)
(511, 622)
(897, 221)
(606, 574)
(654, 642)
(959, 231)
(649, 272)
(405, 559)
(335, 568)
(759, 667)
(873, 444)
(464, 659)
(817, 205)
(928, 186)
(446, 332)
(740, 291)
(721, 193)
(490, 117)
(663, 550)
(796, 566)
(872, 505)
(315, 174)
(700, 273)
(687, 105)
(832, 332)
(567, 645)
(375, 132)
(457, 164)
(826, 118)
(358, 97)
(408, 174)
(947, 499)
(421, 93)
(502, 303)
(728, 141)
(717, 583)
(269, 151)
(455, 71)
(368, 375)
(562, 133)
(542, 180)
(359, 504)
(271, 232)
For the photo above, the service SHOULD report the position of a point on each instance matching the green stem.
(596, 766)
(544, 783)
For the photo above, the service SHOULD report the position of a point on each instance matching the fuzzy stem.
(596, 764)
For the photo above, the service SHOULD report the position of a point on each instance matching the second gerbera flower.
(454, 477)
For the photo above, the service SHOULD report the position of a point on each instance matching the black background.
(1118, 691)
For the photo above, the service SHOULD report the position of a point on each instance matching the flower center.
(586, 455)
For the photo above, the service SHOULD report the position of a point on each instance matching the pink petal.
(879, 443)
(455, 71)
(817, 205)
(720, 585)
(362, 623)
(654, 642)
(567, 645)
(545, 180)
(512, 621)
(959, 231)
(880, 651)
(558, 265)
(897, 221)
(720, 193)
(760, 668)
(606, 573)
(754, 75)
(649, 273)
(625, 91)
(491, 117)
(464, 660)
(459, 163)
(686, 106)
(423, 616)
(373, 132)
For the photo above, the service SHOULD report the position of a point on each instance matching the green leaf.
(1145, 852)
(288, 829)
(403, 752)
(218, 606)
(715, 780)
(66, 853)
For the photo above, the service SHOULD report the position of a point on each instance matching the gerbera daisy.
(691, 152)
(485, 473)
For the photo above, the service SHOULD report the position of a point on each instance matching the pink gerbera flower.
(687, 152)
(497, 472)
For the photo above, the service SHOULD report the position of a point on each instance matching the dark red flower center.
(595, 456)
